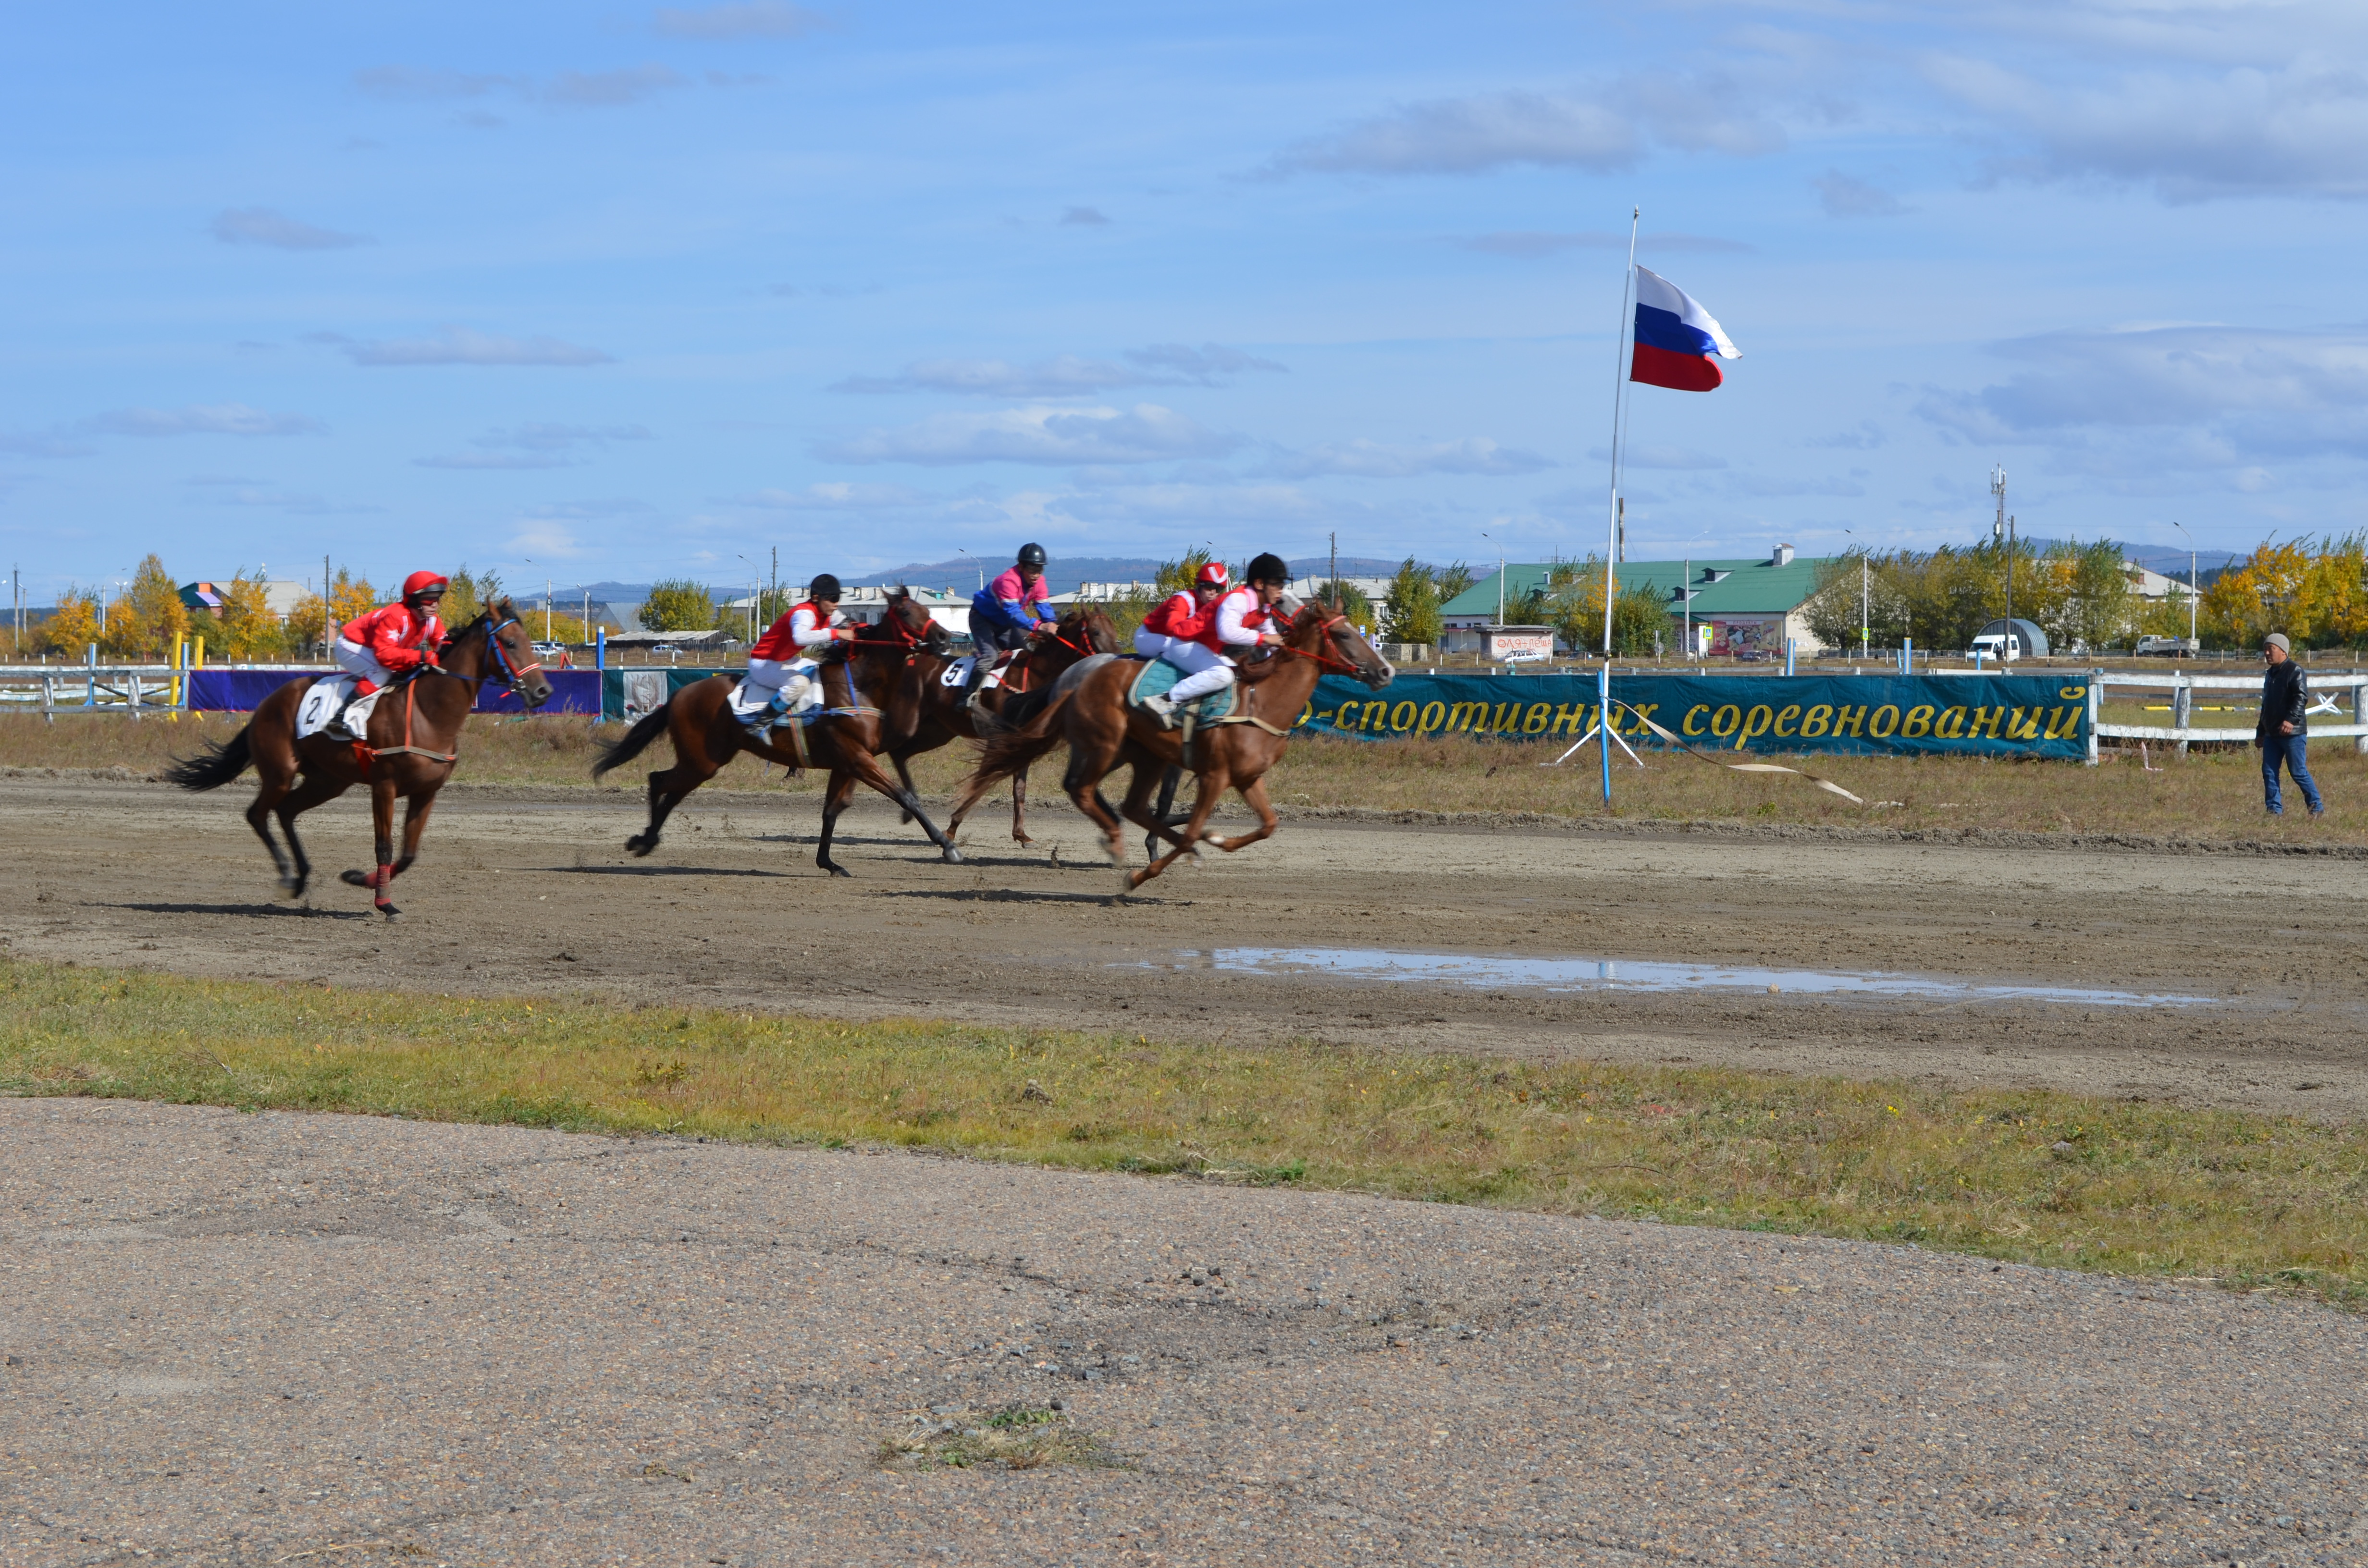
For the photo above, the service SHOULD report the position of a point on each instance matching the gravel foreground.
(277, 1338)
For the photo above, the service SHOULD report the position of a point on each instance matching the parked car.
(2169, 647)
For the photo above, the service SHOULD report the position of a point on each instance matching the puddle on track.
(1621, 974)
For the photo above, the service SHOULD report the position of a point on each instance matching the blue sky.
(587, 293)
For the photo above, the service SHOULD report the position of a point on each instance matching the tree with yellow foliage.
(72, 627)
(249, 629)
(350, 597)
(146, 623)
(2317, 595)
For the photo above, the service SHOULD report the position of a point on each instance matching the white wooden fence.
(2326, 686)
(131, 689)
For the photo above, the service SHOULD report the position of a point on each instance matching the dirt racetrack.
(522, 889)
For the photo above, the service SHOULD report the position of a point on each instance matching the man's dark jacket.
(2283, 700)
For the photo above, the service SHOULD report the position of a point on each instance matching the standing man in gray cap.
(2281, 733)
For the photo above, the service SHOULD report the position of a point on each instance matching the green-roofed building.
(1749, 606)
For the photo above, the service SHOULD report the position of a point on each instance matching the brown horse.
(413, 741)
(860, 679)
(926, 713)
(1090, 712)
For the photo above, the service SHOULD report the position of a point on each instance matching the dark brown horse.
(413, 742)
(859, 680)
(926, 712)
(1090, 712)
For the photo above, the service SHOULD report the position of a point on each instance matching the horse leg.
(1084, 783)
(865, 768)
(382, 839)
(416, 807)
(1167, 782)
(840, 791)
(258, 817)
(1254, 795)
(904, 777)
(1211, 787)
(668, 789)
(1137, 809)
(312, 792)
(1019, 807)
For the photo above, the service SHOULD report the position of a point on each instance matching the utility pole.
(2191, 581)
(1865, 641)
(2010, 582)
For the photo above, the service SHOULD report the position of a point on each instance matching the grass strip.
(2248, 1200)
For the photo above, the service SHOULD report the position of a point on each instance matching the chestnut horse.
(413, 741)
(1090, 712)
(926, 712)
(860, 679)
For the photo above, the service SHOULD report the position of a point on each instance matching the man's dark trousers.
(2286, 749)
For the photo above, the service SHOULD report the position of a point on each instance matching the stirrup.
(1162, 709)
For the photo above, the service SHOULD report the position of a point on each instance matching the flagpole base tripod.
(1595, 732)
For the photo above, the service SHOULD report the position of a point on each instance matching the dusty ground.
(277, 1338)
(523, 888)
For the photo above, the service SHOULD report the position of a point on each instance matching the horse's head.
(494, 646)
(912, 622)
(1315, 625)
(1087, 625)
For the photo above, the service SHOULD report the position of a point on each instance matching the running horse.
(412, 744)
(859, 680)
(926, 713)
(1090, 710)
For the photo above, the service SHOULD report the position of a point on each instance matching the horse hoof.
(640, 847)
(953, 855)
(839, 871)
(1023, 841)
(390, 912)
(355, 878)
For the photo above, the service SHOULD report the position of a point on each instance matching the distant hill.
(1064, 572)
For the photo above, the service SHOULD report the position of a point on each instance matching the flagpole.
(1619, 402)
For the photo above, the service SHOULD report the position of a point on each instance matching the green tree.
(1410, 610)
(679, 605)
(1446, 582)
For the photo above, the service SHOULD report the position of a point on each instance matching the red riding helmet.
(1212, 575)
(424, 584)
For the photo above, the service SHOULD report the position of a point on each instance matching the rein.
(1322, 657)
(513, 675)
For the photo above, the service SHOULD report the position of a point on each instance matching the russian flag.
(1675, 338)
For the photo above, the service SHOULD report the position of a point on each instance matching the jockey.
(782, 662)
(1238, 623)
(376, 647)
(1006, 613)
(1179, 627)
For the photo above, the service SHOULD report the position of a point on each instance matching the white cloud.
(1865, 437)
(751, 18)
(1846, 195)
(302, 504)
(610, 89)
(1064, 436)
(1067, 375)
(459, 346)
(839, 495)
(2133, 409)
(34, 445)
(1085, 217)
(546, 542)
(200, 419)
(1386, 459)
(2292, 128)
(263, 226)
(535, 445)
(1607, 128)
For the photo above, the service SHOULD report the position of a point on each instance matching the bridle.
(513, 675)
(1323, 658)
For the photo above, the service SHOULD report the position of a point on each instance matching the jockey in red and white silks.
(1181, 628)
(1238, 623)
(393, 638)
(782, 662)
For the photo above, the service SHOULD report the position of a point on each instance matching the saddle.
(957, 675)
(1158, 677)
(323, 703)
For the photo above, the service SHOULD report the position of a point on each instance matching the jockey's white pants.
(355, 659)
(1205, 669)
(771, 674)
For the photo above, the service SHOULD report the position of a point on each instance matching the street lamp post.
(2190, 581)
(975, 561)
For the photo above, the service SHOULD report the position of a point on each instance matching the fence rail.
(2182, 688)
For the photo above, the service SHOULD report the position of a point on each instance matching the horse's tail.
(633, 742)
(1014, 751)
(215, 766)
